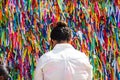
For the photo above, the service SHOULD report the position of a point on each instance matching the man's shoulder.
(80, 54)
(46, 55)
(44, 58)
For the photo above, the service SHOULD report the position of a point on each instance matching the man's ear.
(53, 43)
(70, 41)
(1, 77)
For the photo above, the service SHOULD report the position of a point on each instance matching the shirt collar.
(62, 46)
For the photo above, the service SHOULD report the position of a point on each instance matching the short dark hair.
(61, 32)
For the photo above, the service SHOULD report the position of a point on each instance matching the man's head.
(3, 73)
(61, 33)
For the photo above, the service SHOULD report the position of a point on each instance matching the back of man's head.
(61, 32)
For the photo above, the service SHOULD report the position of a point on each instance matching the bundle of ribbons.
(25, 33)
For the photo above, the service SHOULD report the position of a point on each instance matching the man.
(63, 62)
(3, 73)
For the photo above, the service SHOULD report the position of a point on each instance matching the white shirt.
(63, 63)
